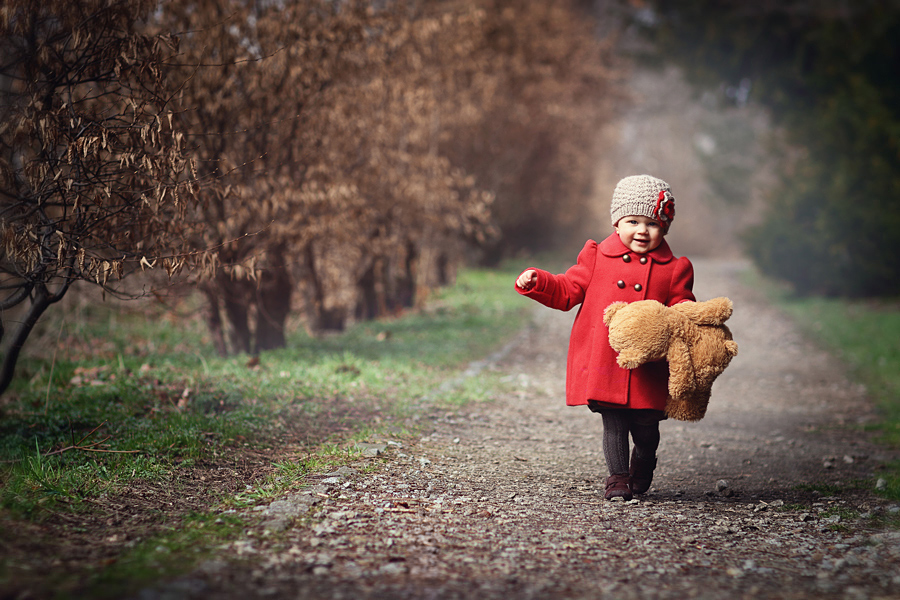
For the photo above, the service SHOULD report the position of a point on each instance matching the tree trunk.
(367, 304)
(237, 308)
(407, 284)
(273, 303)
(214, 320)
(373, 302)
(333, 319)
(41, 301)
(320, 318)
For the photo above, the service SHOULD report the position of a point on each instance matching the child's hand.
(527, 279)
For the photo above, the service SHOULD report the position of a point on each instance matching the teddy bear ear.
(611, 310)
(721, 309)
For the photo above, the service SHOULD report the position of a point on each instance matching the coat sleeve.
(681, 288)
(566, 290)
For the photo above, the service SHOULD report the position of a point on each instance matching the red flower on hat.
(665, 207)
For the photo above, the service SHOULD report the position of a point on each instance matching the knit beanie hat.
(643, 195)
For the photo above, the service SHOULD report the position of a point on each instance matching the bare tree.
(93, 180)
(311, 130)
(255, 75)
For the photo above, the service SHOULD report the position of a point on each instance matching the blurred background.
(333, 162)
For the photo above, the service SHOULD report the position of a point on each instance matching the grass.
(865, 334)
(111, 395)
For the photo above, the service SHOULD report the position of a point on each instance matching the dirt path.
(504, 500)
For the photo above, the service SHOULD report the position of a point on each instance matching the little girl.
(634, 263)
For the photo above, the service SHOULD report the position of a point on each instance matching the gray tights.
(617, 424)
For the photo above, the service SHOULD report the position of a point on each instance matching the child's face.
(640, 234)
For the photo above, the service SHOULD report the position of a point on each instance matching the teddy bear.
(691, 336)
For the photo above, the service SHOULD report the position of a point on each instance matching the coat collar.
(614, 248)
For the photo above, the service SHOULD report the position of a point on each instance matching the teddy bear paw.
(629, 362)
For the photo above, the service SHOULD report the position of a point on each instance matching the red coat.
(605, 273)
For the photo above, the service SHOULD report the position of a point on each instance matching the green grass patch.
(112, 395)
(891, 476)
(133, 415)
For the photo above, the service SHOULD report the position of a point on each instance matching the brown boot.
(618, 486)
(641, 473)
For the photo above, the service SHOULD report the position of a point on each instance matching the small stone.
(393, 568)
(370, 450)
(721, 485)
(276, 524)
(304, 500)
(342, 472)
(212, 567)
(848, 459)
(343, 515)
(881, 484)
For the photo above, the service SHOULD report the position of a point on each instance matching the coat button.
(627, 258)
(643, 260)
(637, 287)
(621, 284)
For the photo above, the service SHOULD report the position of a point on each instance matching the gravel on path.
(769, 496)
